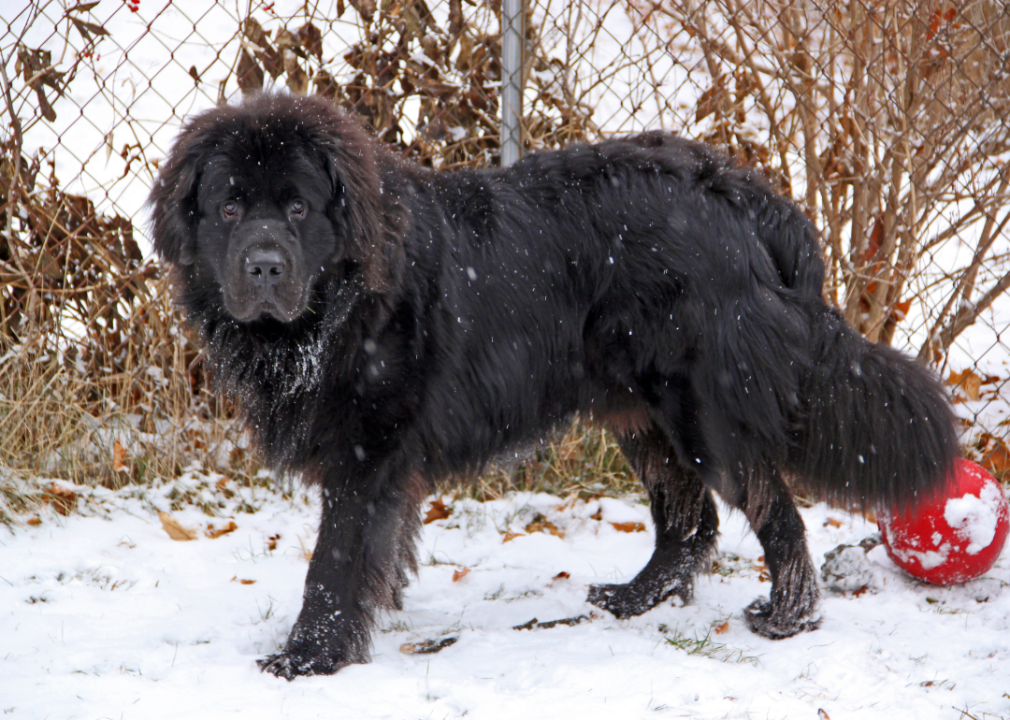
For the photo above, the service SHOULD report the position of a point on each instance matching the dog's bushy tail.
(875, 427)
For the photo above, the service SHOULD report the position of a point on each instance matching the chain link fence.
(886, 121)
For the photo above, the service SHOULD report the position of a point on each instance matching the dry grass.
(586, 461)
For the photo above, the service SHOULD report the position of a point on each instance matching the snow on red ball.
(953, 538)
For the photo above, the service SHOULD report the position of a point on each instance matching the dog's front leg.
(357, 567)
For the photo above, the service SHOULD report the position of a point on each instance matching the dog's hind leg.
(792, 606)
(686, 528)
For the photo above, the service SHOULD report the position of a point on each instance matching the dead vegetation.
(888, 122)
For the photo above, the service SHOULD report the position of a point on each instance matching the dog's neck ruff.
(244, 362)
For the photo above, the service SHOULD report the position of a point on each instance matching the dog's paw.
(631, 599)
(613, 599)
(763, 620)
(296, 662)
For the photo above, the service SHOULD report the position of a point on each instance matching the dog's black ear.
(364, 213)
(173, 199)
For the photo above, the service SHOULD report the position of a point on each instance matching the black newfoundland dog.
(382, 326)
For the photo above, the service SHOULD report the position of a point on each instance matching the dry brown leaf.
(272, 541)
(833, 522)
(35, 521)
(997, 460)
(721, 627)
(458, 575)
(244, 581)
(174, 529)
(438, 511)
(509, 536)
(62, 499)
(629, 527)
(968, 382)
(119, 457)
(900, 311)
(541, 525)
(822, 714)
(214, 534)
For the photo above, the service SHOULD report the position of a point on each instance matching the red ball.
(953, 538)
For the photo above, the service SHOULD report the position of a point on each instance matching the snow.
(106, 616)
(974, 517)
(928, 559)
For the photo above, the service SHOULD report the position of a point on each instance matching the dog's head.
(264, 198)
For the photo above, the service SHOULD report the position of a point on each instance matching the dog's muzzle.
(266, 273)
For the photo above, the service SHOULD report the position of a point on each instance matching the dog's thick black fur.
(382, 326)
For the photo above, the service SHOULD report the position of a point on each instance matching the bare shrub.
(886, 120)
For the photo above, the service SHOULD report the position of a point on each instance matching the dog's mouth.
(266, 306)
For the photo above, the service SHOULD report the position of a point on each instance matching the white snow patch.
(928, 559)
(105, 616)
(974, 517)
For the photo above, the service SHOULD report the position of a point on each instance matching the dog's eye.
(298, 208)
(229, 209)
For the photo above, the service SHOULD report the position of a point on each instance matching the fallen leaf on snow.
(214, 534)
(629, 527)
(458, 575)
(244, 581)
(721, 627)
(174, 529)
(539, 524)
(62, 499)
(438, 511)
(509, 535)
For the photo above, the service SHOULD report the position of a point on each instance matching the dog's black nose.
(265, 266)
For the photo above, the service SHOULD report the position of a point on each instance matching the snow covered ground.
(106, 616)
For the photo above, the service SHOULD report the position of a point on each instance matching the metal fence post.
(512, 81)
